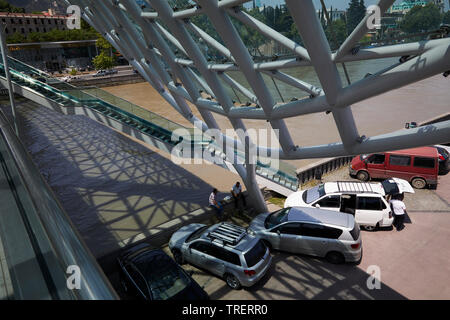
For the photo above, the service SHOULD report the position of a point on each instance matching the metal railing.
(136, 116)
(323, 167)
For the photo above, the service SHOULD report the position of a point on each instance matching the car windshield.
(314, 193)
(276, 218)
(165, 279)
(196, 234)
(364, 156)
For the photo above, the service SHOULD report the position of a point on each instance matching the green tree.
(340, 32)
(103, 45)
(16, 38)
(355, 13)
(103, 61)
(6, 7)
(421, 19)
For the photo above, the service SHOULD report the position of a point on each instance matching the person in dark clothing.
(399, 211)
(236, 192)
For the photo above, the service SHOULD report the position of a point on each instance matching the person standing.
(215, 204)
(399, 210)
(236, 192)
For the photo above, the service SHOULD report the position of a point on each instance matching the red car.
(419, 166)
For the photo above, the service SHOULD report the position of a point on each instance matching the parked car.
(223, 249)
(100, 73)
(111, 71)
(152, 275)
(311, 231)
(443, 154)
(419, 166)
(365, 201)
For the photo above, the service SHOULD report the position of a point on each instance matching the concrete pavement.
(413, 263)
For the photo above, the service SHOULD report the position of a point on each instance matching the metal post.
(255, 195)
(4, 50)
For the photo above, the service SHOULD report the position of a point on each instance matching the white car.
(366, 201)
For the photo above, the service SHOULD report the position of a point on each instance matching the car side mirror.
(317, 205)
(278, 232)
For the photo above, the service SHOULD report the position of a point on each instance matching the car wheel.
(363, 176)
(177, 256)
(370, 228)
(232, 282)
(418, 183)
(335, 257)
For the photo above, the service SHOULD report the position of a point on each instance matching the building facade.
(55, 56)
(334, 14)
(26, 23)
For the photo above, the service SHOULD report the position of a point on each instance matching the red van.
(419, 166)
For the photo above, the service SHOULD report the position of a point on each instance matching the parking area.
(411, 264)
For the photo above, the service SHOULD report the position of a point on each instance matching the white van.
(366, 201)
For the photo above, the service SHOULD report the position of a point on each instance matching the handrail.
(98, 94)
(66, 244)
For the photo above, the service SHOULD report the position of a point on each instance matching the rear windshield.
(255, 254)
(164, 278)
(314, 193)
(390, 187)
(355, 232)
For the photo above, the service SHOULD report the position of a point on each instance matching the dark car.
(443, 160)
(152, 275)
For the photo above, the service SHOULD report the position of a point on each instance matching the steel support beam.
(305, 17)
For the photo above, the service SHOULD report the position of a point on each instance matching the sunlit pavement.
(413, 263)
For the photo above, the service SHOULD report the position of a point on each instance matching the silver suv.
(311, 231)
(223, 249)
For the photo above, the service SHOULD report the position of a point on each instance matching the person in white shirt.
(214, 203)
(398, 208)
(236, 192)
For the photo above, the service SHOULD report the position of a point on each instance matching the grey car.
(311, 231)
(223, 249)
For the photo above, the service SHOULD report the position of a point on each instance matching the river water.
(384, 113)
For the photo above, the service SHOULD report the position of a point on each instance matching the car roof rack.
(353, 186)
(228, 233)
